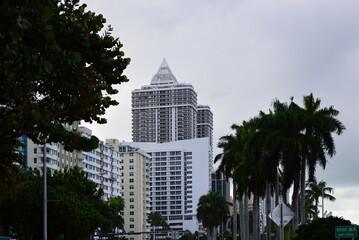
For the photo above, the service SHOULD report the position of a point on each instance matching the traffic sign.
(281, 213)
(346, 231)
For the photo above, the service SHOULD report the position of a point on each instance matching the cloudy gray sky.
(242, 54)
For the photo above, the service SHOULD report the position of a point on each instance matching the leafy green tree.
(58, 64)
(188, 236)
(75, 208)
(212, 210)
(21, 215)
(321, 229)
(110, 211)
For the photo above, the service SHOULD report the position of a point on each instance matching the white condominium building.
(104, 166)
(136, 192)
(56, 155)
(178, 176)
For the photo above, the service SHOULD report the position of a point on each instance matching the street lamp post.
(322, 202)
(45, 193)
(322, 190)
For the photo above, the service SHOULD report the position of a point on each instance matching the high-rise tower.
(165, 110)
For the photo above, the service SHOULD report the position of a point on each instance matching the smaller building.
(104, 166)
(221, 185)
(136, 192)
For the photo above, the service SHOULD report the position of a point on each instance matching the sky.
(240, 55)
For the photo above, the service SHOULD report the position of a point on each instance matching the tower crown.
(164, 75)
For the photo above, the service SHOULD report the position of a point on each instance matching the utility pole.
(322, 202)
(45, 193)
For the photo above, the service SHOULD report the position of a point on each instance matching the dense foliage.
(321, 229)
(57, 65)
(212, 210)
(275, 150)
(74, 210)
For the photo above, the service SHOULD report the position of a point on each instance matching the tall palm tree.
(318, 190)
(319, 125)
(212, 210)
(231, 146)
(280, 138)
(155, 219)
(289, 140)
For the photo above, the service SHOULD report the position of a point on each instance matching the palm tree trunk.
(209, 233)
(255, 216)
(268, 209)
(295, 206)
(302, 194)
(154, 233)
(277, 194)
(234, 232)
(214, 236)
(242, 219)
(316, 208)
(246, 218)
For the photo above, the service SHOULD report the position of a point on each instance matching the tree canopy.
(74, 210)
(58, 64)
(212, 210)
(288, 141)
(321, 229)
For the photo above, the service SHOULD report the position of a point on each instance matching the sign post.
(281, 215)
(346, 232)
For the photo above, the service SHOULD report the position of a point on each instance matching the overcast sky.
(242, 54)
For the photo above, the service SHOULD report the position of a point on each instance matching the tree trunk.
(255, 217)
(246, 218)
(209, 233)
(234, 221)
(302, 194)
(316, 208)
(242, 219)
(154, 233)
(214, 235)
(295, 206)
(277, 194)
(268, 210)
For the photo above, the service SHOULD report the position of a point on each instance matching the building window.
(132, 206)
(131, 160)
(132, 200)
(132, 213)
(132, 219)
(132, 186)
(132, 167)
(132, 180)
(35, 150)
(132, 193)
(132, 173)
(132, 226)
(35, 159)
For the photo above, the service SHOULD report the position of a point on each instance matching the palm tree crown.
(212, 210)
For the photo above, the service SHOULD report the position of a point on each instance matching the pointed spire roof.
(164, 75)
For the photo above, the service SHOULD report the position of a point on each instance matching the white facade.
(55, 154)
(179, 176)
(104, 166)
